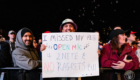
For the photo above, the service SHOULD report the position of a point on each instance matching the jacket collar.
(127, 49)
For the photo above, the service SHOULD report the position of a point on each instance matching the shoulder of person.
(19, 51)
(4, 44)
(128, 49)
(107, 46)
(7, 41)
(128, 46)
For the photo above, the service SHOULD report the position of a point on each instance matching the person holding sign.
(117, 54)
(67, 26)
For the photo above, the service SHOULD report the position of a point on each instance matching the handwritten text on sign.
(70, 55)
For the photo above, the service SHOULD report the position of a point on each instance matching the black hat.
(24, 31)
(116, 32)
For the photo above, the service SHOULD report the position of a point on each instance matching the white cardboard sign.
(70, 54)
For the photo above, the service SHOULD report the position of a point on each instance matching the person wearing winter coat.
(117, 54)
(5, 57)
(25, 55)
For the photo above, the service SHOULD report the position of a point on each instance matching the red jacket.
(108, 57)
(134, 48)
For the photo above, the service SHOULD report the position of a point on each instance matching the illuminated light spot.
(98, 5)
(116, 1)
(83, 8)
(90, 28)
(95, 7)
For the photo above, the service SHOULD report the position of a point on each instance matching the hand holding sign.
(99, 53)
(43, 47)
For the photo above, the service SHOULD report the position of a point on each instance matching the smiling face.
(68, 28)
(27, 39)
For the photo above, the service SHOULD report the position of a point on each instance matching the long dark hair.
(115, 44)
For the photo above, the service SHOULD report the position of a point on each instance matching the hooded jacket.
(23, 56)
(108, 56)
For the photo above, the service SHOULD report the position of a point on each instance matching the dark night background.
(89, 15)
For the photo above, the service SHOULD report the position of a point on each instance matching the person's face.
(34, 44)
(40, 41)
(68, 28)
(132, 37)
(27, 38)
(12, 36)
(121, 38)
(100, 42)
(34, 41)
(138, 44)
(104, 44)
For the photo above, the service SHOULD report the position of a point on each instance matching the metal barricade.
(11, 73)
(16, 73)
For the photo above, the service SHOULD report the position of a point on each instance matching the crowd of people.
(122, 52)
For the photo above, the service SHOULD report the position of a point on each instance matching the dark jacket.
(5, 57)
(108, 57)
(12, 46)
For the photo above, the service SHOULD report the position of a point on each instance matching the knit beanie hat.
(24, 31)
